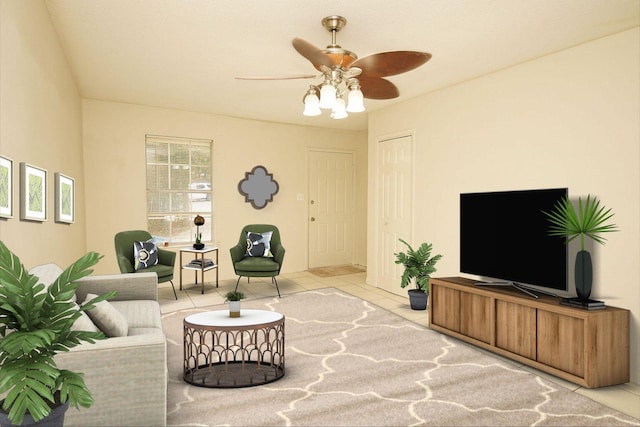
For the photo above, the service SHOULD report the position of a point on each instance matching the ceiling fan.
(341, 70)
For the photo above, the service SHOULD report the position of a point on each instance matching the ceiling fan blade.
(377, 88)
(283, 77)
(391, 63)
(312, 53)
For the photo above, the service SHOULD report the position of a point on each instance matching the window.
(178, 188)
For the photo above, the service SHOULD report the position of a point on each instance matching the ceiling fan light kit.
(347, 78)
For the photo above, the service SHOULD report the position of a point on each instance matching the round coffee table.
(225, 352)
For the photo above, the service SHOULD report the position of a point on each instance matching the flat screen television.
(504, 235)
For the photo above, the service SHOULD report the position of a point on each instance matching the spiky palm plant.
(35, 325)
(417, 264)
(589, 221)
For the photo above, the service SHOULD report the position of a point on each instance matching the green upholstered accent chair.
(124, 253)
(255, 266)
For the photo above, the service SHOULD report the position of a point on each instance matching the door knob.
(312, 219)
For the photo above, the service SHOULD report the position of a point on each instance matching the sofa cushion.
(145, 331)
(259, 244)
(140, 313)
(257, 264)
(145, 254)
(110, 321)
(84, 323)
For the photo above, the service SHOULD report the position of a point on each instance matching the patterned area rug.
(351, 363)
(339, 270)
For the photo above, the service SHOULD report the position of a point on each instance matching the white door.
(395, 207)
(331, 208)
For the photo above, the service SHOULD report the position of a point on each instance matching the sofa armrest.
(127, 377)
(139, 286)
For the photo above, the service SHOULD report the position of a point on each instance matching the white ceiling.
(184, 54)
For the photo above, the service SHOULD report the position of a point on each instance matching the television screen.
(504, 235)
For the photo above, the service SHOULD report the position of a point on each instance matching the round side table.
(226, 352)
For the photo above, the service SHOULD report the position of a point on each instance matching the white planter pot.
(234, 308)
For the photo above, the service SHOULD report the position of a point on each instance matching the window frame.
(156, 193)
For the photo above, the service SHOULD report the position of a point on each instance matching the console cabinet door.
(446, 307)
(475, 316)
(516, 328)
(561, 342)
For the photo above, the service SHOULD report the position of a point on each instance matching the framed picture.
(33, 193)
(6, 187)
(65, 198)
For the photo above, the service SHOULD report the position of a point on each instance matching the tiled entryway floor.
(624, 398)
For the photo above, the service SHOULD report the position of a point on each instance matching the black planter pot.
(198, 246)
(418, 299)
(54, 419)
(583, 274)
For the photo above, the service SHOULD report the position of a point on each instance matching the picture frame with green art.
(65, 198)
(33, 193)
(6, 187)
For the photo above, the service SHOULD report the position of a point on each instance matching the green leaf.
(72, 388)
(418, 264)
(590, 220)
(35, 325)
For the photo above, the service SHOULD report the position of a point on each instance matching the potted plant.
(418, 265)
(35, 325)
(198, 243)
(590, 221)
(234, 297)
(198, 221)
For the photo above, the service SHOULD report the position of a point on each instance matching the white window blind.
(178, 188)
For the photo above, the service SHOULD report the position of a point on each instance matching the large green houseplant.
(419, 265)
(35, 325)
(590, 221)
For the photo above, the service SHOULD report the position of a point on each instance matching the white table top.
(199, 251)
(220, 318)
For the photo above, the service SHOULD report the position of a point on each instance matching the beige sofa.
(127, 376)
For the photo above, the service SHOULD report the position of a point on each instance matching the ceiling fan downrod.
(333, 24)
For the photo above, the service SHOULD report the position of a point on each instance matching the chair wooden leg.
(174, 289)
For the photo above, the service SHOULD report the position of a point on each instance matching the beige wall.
(569, 119)
(114, 138)
(40, 123)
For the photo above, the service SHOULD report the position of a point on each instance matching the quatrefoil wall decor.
(258, 187)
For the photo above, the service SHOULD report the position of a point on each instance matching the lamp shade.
(327, 96)
(356, 101)
(339, 110)
(198, 220)
(311, 105)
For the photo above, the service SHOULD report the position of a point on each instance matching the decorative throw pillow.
(108, 318)
(259, 244)
(145, 254)
(84, 323)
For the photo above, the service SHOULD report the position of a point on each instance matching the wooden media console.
(587, 347)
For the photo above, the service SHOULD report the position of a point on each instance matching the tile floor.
(624, 398)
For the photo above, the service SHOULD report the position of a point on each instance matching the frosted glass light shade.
(339, 110)
(311, 105)
(327, 96)
(356, 101)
